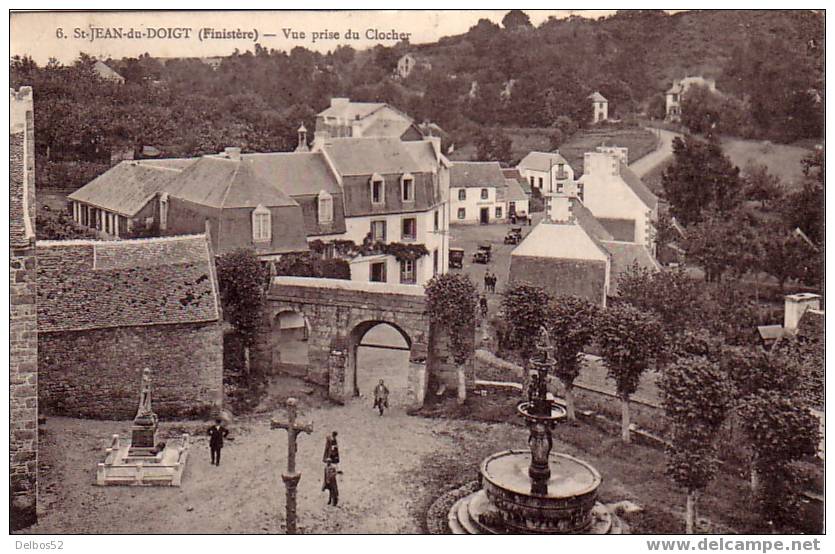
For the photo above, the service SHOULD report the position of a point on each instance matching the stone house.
(23, 342)
(408, 62)
(546, 172)
(108, 309)
(475, 188)
(618, 199)
(344, 118)
(600, 107)
(677, 90)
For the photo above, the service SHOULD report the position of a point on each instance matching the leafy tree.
(629, 340)
(657, 107)
(572, 324)
(54, 225)
(697, 398)
(241, 278)
(786, 256)
(701, 177)
(805, 208)
(525, 309)
(516, 19)
(762, 186)
(493, 145)
(717, 244)
(451, 301)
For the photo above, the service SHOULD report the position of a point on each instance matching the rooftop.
(384, 155)
(626, 255)
(476, 174)
(560, 240)
(542, 161)
(638, 187)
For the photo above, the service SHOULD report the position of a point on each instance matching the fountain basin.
(564, 506)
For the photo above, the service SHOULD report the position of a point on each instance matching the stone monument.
(144, 431)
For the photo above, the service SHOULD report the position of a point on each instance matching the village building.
(349, 189)
(619, 199)
(600, 107)
(480, 193)
(676, 91)
(514, 173)
(546, 172)
(408, 63)
(106, 72)
(23, 334)
(344, 118)
(802, 307)
(563, 259)
(108, 309)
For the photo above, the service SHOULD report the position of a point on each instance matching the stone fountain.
(536, 490)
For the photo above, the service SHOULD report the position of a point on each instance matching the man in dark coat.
(381, 396)
(331, 454)
(330, 484)
(217, 433)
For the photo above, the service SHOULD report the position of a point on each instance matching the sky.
(63, 35)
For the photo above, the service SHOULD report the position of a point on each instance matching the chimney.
(559, 209)
(796, 306)
(233, 153)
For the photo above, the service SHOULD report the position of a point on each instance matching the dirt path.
(665, 149)
(245, 493)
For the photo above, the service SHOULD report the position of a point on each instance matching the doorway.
(484, 216)
(381, 351)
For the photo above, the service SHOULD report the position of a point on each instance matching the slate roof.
(476, 174)
(88, 284)
(224, 183)
(295, 173)
(127, 187)
(369, 155)
(590, 224)
(638, 187)
(542, 161)
(513, 173)
(560, 240)
(387, 128)
(626, 254)
(513, 191)
(620, 229)
(352, 110)
(597, 97)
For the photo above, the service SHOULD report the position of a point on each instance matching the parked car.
(483, 254)
(456, 258)
(513, 236)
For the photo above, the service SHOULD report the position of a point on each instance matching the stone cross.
(291, 477)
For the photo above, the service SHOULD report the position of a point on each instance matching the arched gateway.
(337, 315)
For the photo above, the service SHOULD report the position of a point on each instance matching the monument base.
(141, 466)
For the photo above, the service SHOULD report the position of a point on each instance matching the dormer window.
(325, 207)
(378, 189)
(261, 225)
(407, 187)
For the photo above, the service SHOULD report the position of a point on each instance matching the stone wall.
(96, 373)
(23, 345)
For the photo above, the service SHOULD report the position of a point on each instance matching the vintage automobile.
(456, 258)
(483, 254)
(513, 236)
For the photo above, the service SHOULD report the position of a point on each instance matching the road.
(644, 165)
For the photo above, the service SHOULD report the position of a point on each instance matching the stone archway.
(378, 350)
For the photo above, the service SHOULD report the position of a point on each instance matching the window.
(409, 228)
(532, 181)
(484, 194)
(377, 272)
(378, 231)
(559, 187)
(325, 207)
(462, 194)
(511, 208)
(407, 272)
(462, 213)
(498, 212)
(407, 186)
(261, 225)
(435, 262)
(378, 189)
(540, 182)
(436, 225)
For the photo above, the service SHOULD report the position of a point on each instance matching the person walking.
(482, 302)
(487, 280)
(330, 484)
(331, 454)
(217, 433)
(381, 396)
(493, 280)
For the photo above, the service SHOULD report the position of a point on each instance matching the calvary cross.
(291, 478)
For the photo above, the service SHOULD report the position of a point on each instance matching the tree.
(629, 341)
(516, 19)
(786, 256)
(493, 145)
(525, 309)
(761, 186)
(805, 208)
(451, 300)
(696, 397)
(701, 177)
(572, 324)
(241, 278)
(716, 244)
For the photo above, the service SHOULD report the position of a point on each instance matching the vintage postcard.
(418, 272)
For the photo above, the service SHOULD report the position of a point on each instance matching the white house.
(678, 89)
(408, 62)
(546, 171)
(475, 188)
(600, 107)
(619, 199)
(344, 118)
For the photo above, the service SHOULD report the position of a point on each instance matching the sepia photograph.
(418, 272)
